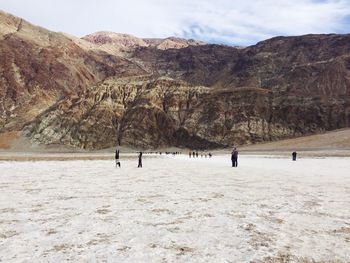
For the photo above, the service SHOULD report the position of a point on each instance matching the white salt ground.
(176, 209)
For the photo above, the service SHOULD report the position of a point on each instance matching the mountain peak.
(117, 39)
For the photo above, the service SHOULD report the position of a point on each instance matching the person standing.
(140, 160)
(294, 156)
(234, 157)
(117, 162)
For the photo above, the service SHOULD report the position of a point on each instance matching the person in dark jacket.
(117, 162)
(234, 157)
(140, 160)
(294, 156)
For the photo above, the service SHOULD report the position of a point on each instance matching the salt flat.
(176, 209)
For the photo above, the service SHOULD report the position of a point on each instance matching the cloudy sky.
(234, 22)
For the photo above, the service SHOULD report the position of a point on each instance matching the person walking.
(140, 160)
(294, 156)
(234, 157)
(117, 162)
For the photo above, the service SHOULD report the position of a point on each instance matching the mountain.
(114, 42)
(39, 67)
(108, 88)
(123, 43)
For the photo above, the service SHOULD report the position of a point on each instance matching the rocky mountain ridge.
(123, 44)
(149, 93)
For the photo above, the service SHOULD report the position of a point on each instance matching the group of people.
(166, 153)
(193, 154)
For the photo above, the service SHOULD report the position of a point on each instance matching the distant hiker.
(193, 154)
(117, 162)
(234, 157)
(294, 156)
(197, 154)
(140, 160)
(190, 154)
(209, 155)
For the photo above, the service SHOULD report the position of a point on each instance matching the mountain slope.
(333, 140)
(39, 67)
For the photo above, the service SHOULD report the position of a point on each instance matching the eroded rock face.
(136, 111)
(149, 112)
(62, 90)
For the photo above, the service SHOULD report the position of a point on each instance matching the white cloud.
(222, 21)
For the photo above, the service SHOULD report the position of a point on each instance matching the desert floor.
(176, 209)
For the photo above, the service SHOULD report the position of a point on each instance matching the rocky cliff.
(86, 93)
